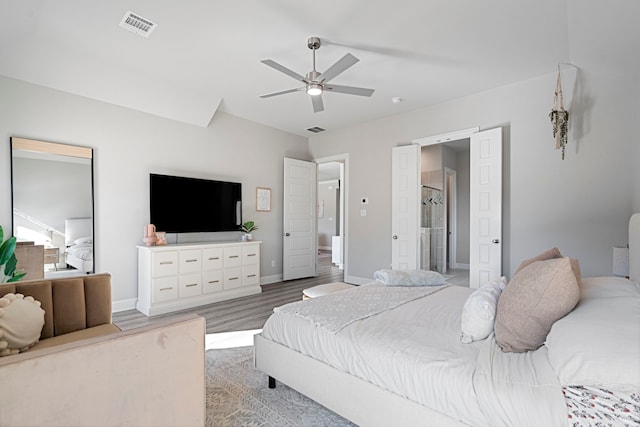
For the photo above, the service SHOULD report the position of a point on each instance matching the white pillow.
(479, 311)
(83, 241)
(598, 344)
(409, 277)
(21, 321)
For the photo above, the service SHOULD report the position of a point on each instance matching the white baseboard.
(357, 280)
(123, 305)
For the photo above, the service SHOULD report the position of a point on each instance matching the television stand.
(182, 276)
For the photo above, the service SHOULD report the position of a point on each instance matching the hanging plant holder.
(559, 118)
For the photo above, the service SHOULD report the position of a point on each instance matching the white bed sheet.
(83, 252)
(400, 350)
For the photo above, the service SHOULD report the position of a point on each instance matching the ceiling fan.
(315, 83)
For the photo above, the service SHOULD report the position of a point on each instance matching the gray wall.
(581, 204)
(128, 146)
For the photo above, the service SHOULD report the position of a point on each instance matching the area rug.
(237, 395)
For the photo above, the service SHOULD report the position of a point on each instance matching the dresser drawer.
(232, 278)
(250, 275)
(212, 281)
(250, 255)
(232, 257)
(164, 264)
(164, 289)
(189, 285)
(190, 261)
(212, 259)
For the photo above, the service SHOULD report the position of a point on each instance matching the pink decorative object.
(150, 235)
(161, 238)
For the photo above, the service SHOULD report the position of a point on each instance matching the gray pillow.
(538, 295)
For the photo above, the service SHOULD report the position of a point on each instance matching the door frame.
(344, 195)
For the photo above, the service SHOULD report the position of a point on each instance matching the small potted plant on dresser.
(248, 227)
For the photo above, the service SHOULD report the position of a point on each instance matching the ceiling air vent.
(137, 24)
(316, 129)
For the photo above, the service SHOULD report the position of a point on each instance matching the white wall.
(581, 204)
(128, 146)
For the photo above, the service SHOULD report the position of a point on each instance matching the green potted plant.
(8, 260)
(248, 227)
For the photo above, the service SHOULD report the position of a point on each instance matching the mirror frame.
(61, 149)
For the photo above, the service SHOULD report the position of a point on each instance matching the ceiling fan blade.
(351, 90)
(269, 95)
(284, 69)
(318, 105)
(343, 63)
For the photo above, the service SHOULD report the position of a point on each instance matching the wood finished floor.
(247, 313)
(244, 313)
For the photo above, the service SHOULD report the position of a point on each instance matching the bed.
(405, 364)
(78, 236)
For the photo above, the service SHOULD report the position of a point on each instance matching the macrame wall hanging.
(559, 118)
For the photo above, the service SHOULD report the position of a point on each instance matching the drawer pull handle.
(233, 278)
(251, 254)
(214, 258)
(214, 281)
(166, 289)
(251, 275)
(233, 256)
(191, 285)
(192, 260)
(166, 262)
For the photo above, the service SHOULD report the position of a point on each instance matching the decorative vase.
(249, 237)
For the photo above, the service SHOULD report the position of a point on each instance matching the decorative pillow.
(552, 253)
(409, 278)
(538, 295)
(479, 311)
(21, 321)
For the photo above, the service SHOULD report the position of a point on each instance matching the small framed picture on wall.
(263, 199)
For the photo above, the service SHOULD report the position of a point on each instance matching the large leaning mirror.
(52, 201)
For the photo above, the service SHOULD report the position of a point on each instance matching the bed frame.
(360, 401)
(357, 400)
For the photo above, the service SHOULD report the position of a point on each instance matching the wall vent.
(137, 24)
(316, 129)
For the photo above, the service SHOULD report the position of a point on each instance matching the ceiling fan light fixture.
(314, 89)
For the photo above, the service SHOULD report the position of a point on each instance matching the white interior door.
(485, 228)
(405, 210)
(299, 242)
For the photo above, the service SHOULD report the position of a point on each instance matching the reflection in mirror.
(52, 198)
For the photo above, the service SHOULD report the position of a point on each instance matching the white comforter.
(414, 350)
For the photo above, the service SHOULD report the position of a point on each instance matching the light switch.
(363, 212)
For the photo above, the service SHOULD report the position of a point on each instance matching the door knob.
(395, 237)
(287, 234)
(495, 241)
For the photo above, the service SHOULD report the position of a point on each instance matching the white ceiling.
(205, 55)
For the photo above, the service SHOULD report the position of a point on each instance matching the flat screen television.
(192, 205)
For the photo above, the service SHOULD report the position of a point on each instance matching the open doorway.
(330, 208)
(444, 233)
(329, 169)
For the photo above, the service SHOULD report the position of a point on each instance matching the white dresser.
(176, 277)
